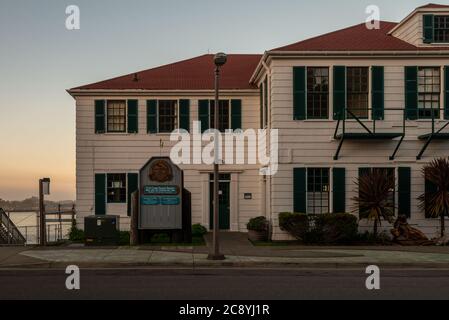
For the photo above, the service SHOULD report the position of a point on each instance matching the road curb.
(224, 264)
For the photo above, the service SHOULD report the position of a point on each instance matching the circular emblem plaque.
(160, 171)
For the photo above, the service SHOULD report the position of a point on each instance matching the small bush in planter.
(198, 231)
(258, 229)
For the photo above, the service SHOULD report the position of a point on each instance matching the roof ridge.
(331, 33)
(167, 66)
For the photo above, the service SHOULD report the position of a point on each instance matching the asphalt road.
(224, 284)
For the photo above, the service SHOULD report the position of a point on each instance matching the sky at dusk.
(40, 59)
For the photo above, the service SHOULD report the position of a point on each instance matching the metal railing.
(10, 231)
(434, 132)
(371, 117)
(59, 221)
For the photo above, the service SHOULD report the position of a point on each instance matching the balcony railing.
(368, 124)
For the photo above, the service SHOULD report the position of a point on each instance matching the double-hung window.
(358, 91)
(441, 29)
(167, 116)
(116, 116)
(224, 115)
(116, 185)
(318, 190)
(429, 90)
(317, 93)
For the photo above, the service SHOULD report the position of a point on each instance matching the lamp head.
(220, 59)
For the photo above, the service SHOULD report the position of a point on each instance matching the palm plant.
(375, 200)
(435, 202)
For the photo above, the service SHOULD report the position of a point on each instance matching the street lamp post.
(219, 60)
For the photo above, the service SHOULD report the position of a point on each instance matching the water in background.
(27, 224)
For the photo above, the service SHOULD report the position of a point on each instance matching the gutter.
(345, 54)
(141, 92)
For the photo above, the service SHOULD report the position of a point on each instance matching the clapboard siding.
(411, 30)
(311, 143)
(114, 153)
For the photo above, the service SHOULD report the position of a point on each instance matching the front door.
(224, 204)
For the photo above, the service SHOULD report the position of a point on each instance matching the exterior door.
(224, 204)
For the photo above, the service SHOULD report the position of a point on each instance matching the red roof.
(356, 38)
(434, 6)
(193, 74)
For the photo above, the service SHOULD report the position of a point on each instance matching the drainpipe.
(265, 179)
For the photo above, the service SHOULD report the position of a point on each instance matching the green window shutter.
(133, 116)
(299, 93)
(133, 186)
(446, 92)
(184, 115)
(378, 97)
(100, 116)
(236, 114)
(404, 191)
(339, 91)
(428, 29)
(203, 114)
(430, 189)
(411, 93)
(339, 190)
(299, 190)
(100, 194)
(152, 116)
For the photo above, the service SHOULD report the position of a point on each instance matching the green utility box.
(102, 230)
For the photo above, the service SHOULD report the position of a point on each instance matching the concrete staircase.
(9, 234)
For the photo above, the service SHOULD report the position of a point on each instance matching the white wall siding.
(310, 143)
(125, 153)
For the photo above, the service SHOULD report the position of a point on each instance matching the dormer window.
(436, 28)
(442, 29)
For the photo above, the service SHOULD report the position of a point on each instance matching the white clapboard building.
(343, 102)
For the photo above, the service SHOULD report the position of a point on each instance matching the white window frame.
(177, 116)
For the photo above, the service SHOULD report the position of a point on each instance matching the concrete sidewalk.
(324, 258)
(239, 253)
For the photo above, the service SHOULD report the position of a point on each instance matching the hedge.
(323, 228)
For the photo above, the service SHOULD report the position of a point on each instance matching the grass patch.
(276, 243)
(164, 240)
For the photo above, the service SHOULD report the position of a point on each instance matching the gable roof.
(434, 6)
(192, 74)
(355, 38)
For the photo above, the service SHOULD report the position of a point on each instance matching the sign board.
(161, 185)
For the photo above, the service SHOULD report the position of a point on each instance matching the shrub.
(124, 238)
(337, 228)
(381, 238)
(297, 224)
(76, 235)
(322, 228)
(258, 224)
(198, 230)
